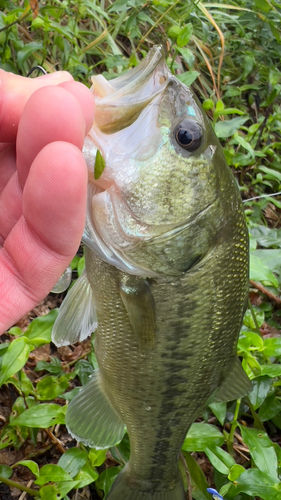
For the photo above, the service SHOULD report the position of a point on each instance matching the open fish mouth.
(120, 101)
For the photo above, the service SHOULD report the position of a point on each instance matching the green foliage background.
(230, 53)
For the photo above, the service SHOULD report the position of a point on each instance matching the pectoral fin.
(91, 419)
(77, 316)
(138, 300)
(234, 386)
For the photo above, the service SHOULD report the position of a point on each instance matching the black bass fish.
(165, 280)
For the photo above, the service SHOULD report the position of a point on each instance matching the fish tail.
(126, 489)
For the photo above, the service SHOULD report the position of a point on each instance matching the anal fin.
(139, 303)
(77, 316)
(234, 386)
(91, 419)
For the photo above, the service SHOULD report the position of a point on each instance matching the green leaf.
(188, 55)
(33, 466)
(258, 272)
(235, 471)
(51, 473)
(272, 347)
(14, 358)
(220, 459)
(27, 51)
(219, 410)
(107, 478)
(54, 366)
(271, 174)
(184, 36)
(99, 165)
(197, 477)
(5, 472)
(188, 77)
(202, 436)
(73, 460)
(260, 389)
(261, 450)
(84, 370)
(40, 329)
(271, 370)
(97, 457)
(256, 483)
(270, 407)
(227, 128)
(41, 416)
(86, 476)
(50, 387)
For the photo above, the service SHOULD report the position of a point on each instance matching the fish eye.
(188, 135)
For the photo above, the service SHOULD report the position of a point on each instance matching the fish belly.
(159, 390)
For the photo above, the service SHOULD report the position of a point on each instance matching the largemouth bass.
(165, 281)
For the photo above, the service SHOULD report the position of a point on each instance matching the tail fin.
(124, 489)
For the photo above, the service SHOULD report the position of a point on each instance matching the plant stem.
(254, 317)
(19, 486)
(233, 426)
(258, 422)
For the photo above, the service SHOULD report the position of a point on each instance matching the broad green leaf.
(270, 407)
(27, 51)
(256, 483)
(235, 471)
(272, 347)
(261, 450)
(50, 387)
(40, 329)
(51, 492)
(23, 383)
(227, 128)
(33, 466)
(197, 478)
(271, 370)
(184, 36)
(188, 55)
(107, 478)
(260, 389)
(220, 459)
(14, 358)
(219, 410)
(266, 237)
(5, 472)
(51, 473)
(201, 436)
(84, 370)
(271, 174)
(188, 77)
(258, 272)
(73, 460)
(248, 321)
(54, 366)
(97, 457)
(86, 475)
(41, 416)
(271, 258)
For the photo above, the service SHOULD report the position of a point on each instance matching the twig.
(19, 486)
(55, 440)
(269, 294)
(23, 495)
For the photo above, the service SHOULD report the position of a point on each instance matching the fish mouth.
(120, 101)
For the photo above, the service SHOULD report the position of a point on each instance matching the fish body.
(166, 277)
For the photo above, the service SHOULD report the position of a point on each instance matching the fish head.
(162, 171)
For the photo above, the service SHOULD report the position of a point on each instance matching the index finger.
(15, 90)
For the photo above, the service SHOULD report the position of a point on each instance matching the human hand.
(43, 181)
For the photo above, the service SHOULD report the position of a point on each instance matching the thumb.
(14, 92)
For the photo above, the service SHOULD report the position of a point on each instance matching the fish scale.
(166, 278)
